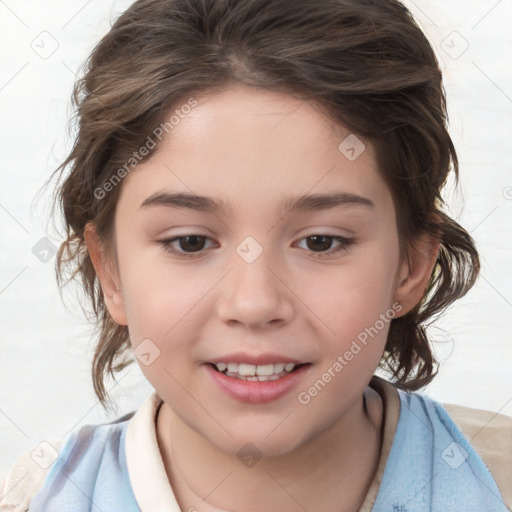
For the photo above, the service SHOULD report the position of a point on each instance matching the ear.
(414, 275)
(107, 276)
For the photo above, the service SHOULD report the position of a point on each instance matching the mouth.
(257, 373)
(257, 383)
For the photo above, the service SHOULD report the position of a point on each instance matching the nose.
(255, 294)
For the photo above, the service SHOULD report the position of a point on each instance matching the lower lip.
(256, 392)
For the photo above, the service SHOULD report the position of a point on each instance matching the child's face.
(254, 149)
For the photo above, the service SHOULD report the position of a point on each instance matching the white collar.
(146, 469)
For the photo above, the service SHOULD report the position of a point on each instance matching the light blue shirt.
(431, 468)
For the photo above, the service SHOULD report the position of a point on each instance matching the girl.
(254, 210)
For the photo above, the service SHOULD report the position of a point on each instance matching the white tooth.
(265, 369)
(263, 378)
(289, 367)
(221, 366)
(246, 369)
(252, 379)
(278, 368)
(274, 377)
(233, 367)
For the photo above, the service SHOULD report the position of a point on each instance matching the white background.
(46, 347)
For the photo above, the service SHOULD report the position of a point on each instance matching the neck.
(332, 471)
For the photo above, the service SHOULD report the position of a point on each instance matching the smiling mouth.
(256, 373)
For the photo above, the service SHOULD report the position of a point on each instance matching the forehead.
(251, 147)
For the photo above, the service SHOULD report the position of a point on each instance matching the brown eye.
(187, 245)
(192, 243)
(320, 244)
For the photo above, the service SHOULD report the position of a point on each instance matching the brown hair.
(365, 63)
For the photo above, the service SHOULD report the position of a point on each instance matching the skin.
(253, 148)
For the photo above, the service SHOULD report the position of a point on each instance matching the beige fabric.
(391, 402)
(489, 433)
(26, 476)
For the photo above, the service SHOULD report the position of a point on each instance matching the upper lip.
(255, 359)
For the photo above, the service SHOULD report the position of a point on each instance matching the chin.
(258, 444)
(261, 448)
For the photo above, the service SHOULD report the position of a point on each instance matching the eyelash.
(345, 245)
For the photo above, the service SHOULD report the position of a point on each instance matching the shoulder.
(435, 461)
(26, 476)
(487, 434)
(490, 434)
(32, 469)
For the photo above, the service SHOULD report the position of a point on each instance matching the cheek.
(166, 307)
(158, 294)
(355, 303)
(358, 293)
(163, 323)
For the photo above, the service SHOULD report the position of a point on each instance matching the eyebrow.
(303, 203)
